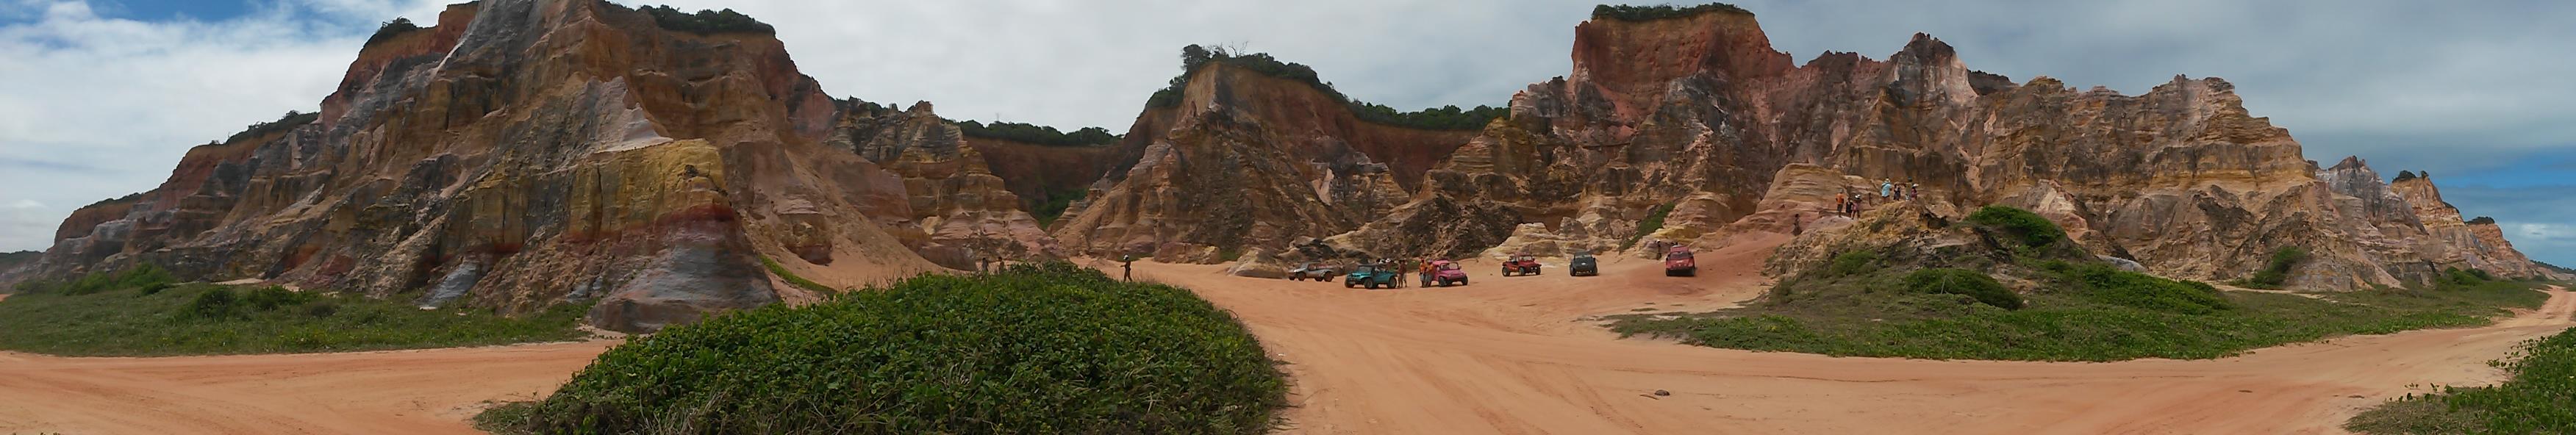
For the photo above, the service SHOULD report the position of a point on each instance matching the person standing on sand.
(1127, 268)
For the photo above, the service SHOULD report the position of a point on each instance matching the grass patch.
(159, 319)
(2083, 312)
(2029, 228)
(1043, 348)
(2541, 398)
(792, 279)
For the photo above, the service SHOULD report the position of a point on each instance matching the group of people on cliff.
(1852, 201)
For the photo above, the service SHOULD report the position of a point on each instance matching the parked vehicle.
(1371, 276)
(1677, 262)
(1522, 265)
(1448, 273)
(1313, 271)
(1583, 265)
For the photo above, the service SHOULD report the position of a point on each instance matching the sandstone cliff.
(524, 153)
(1698, 114)
(1247, 161)
(959, 211)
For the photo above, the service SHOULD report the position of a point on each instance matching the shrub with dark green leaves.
(2030, 229)
(1654, 222)
(391, 29)
(1044, 348)
(215, 304)
(2277, 271)
(291, 120)
(1852, 264)
(271, 298)
(1964, 282)
(1658, 12)
(2110, 285)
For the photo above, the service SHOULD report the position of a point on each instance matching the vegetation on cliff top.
(1037, 134)
(1442, 118)
(142, 312)
(1862, 303)
(1036, 348)
(1658, 12)
(2540, 398)
(290, 121)
(391, 29)
(706, 22)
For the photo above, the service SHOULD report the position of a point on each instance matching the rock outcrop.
(1244, 161)
(961, 213)
(1698, 115)
(525, 153)
(2471, 243)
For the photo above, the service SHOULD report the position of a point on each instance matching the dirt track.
(1502, 356)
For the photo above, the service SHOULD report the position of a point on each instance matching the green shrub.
(321, 309)
(1654, 222)
(2277, 270)
(1044, 348)
(2110, 285)
(156, 288)
(391, 29)
(271, 298)
(1852, 263)
(1964, 282)
(1442, 118)
(1658, 12)
(1056, 205)
(215, 304)
(2029, 228)
(1038, 135)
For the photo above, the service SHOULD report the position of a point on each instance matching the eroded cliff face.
(1247, 162)
(1698, 114)
(960, 211)
(525, 153)
(2478, 244)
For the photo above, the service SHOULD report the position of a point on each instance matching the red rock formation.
(1247, 161)
(1697, 113)
(521, 154)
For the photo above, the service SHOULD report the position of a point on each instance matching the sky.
(99, 98)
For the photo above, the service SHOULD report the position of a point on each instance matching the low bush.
(216, 304)
(290, 121)
(1654, 222)
(139, 277)
(204, 319)
(2276, 271)
(1057, 203)
(2028, 228)
(2110, 285)
(1852, 263)
(2540, 398)
(1043, 348)
(1964, 282)
(391, 29)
